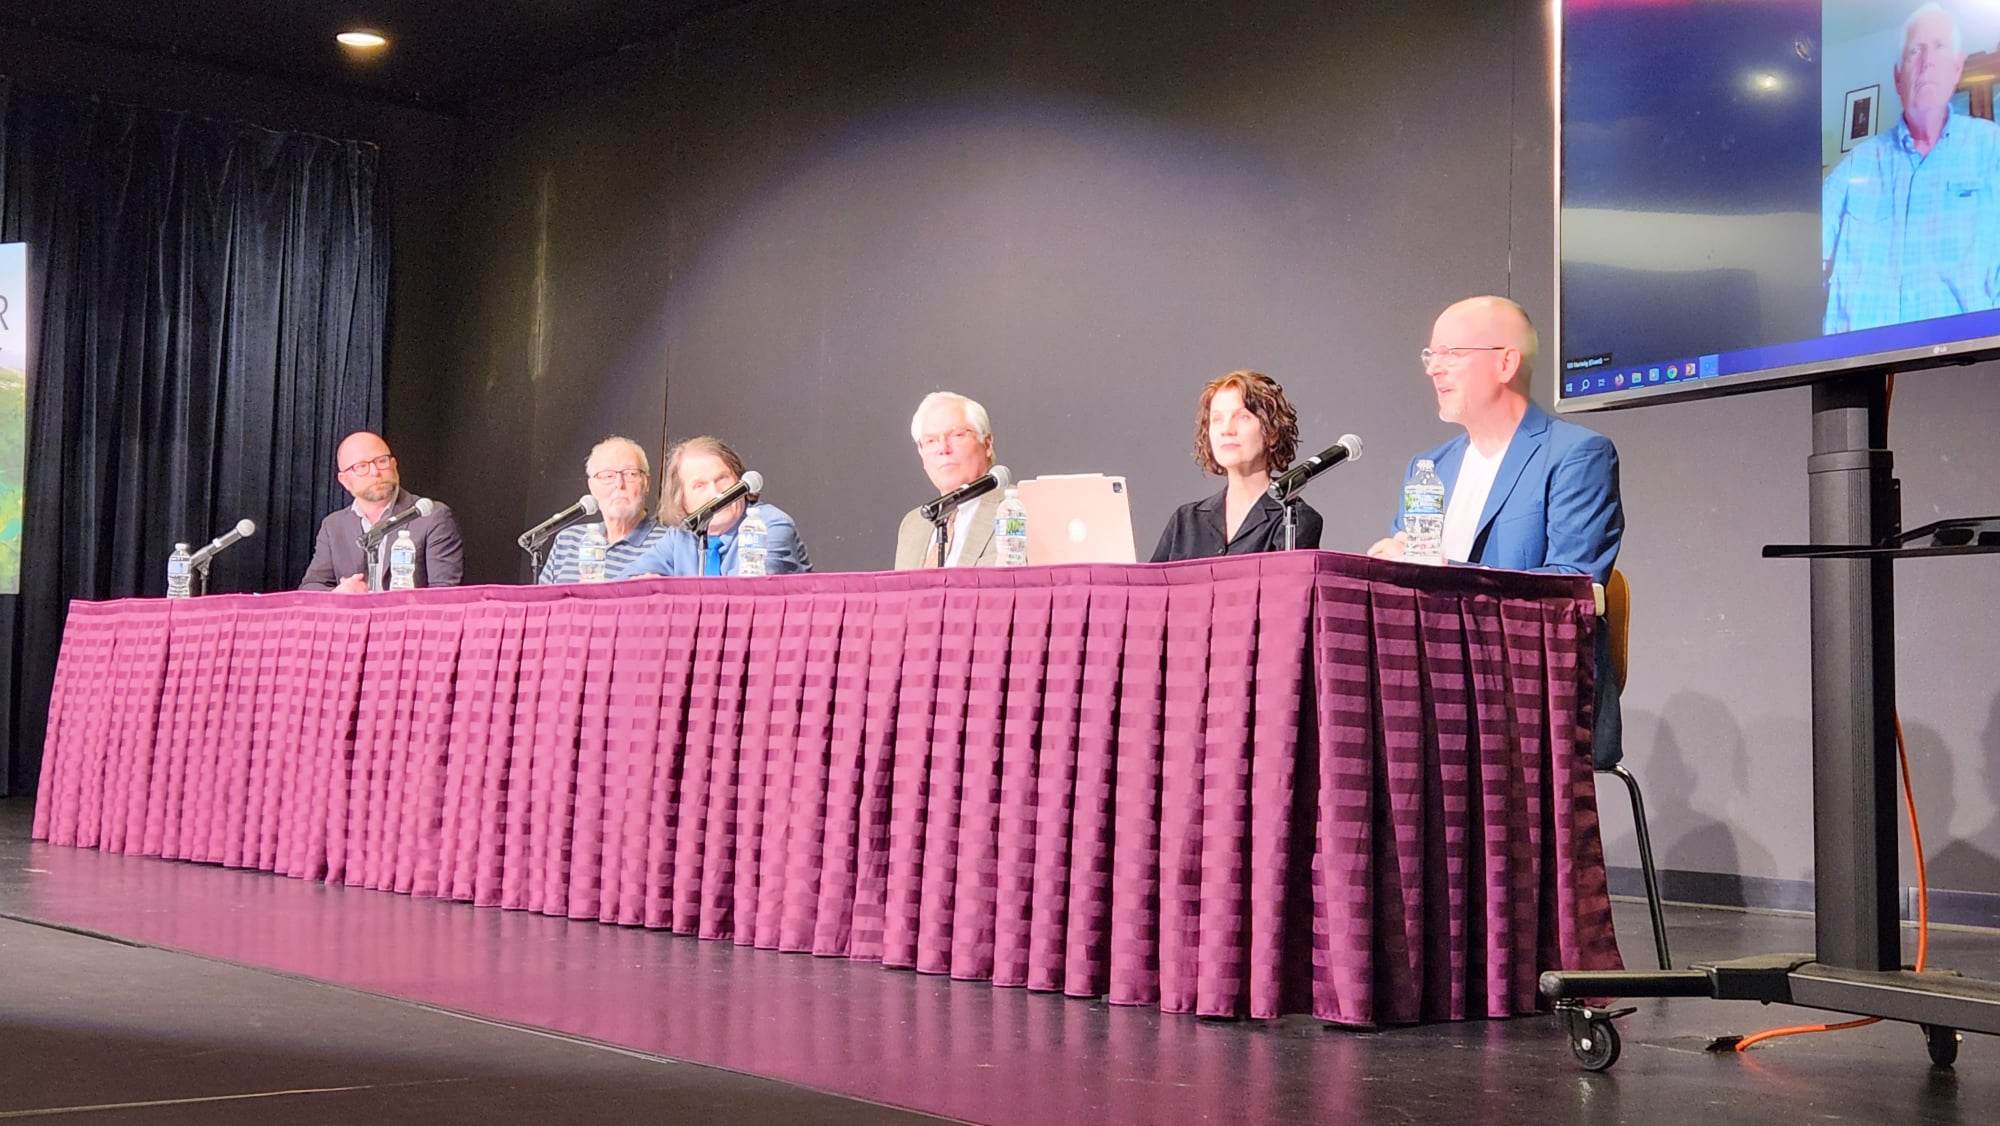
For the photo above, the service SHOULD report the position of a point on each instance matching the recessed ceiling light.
(362, 40)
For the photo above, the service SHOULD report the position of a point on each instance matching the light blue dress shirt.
(1908, 237)
(679, 553)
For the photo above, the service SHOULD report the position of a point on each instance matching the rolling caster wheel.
(1943, 1043)
(1596, 1047)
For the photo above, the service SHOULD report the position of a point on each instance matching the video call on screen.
(1740, 194)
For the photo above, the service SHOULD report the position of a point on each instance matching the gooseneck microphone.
(1295, 478)
(995, 478)
(373, 537)
(586, 505)
(243, 530)
(697, 521)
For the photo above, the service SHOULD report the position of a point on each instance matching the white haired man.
(1910, 220)
(621, 480)
(954, 438)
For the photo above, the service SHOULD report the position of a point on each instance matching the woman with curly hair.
(1245, 431)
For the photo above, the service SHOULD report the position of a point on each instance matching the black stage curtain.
(209, 301)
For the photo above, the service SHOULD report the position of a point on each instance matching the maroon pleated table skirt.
(1304, 782)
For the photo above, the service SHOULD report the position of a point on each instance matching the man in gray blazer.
(954, 437)
(367, 470)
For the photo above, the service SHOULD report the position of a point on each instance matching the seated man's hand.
(1390, 548)
(352, 584)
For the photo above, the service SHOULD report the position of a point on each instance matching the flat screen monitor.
(1752, 193)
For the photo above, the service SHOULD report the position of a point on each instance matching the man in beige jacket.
(954, 437)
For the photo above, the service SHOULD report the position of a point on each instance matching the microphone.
(1294, 479)
(586, 505)
(244, 529)
(995, 478)
(697, 521)
(374, 536)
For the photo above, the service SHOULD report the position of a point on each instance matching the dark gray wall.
(787, 225)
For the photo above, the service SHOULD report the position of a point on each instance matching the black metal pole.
(944, 533)
(1853, 496)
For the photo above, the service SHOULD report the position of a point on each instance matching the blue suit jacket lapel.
(1526, 443)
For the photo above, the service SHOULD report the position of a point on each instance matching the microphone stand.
(1288, 500)
(371, 560)
(701, 539)
(943, 525)
(538, 554)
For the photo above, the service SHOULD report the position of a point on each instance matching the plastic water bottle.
(1423, 515)
(403, 562)
(180, 583)
(1010, 530)
(590, 555)
(751, 537)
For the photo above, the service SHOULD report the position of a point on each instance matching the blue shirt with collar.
(678, 552)
(1907, 236)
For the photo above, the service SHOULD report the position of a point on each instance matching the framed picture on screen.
(1859, 115)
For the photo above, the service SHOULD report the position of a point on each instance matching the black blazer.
(1197, 530)
(336, 555)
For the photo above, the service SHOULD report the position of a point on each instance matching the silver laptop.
(1078, 518)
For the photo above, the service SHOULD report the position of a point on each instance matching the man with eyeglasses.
(367, 470)
(1523, 491)
(620, 478)
(954, 438)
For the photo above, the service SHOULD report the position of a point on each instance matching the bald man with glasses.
(1523, 490)
(368, 471)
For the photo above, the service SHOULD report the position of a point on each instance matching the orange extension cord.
(1916, 846)
(1923, 911)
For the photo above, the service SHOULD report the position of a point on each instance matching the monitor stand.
(1856, 966)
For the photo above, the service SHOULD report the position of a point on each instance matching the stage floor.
(440, 1013)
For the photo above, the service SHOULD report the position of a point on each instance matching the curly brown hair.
(1263, 397)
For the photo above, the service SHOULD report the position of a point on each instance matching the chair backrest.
(1618, 619)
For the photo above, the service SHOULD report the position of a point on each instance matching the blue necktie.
(714, 564)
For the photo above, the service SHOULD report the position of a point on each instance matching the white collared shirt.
(1468, 500)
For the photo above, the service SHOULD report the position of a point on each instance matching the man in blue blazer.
(1523, 491)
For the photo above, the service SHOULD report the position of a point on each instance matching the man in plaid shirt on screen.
(1910, 220)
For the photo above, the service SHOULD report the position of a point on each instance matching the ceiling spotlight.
(361, 40)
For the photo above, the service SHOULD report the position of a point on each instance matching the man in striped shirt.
(621, 479)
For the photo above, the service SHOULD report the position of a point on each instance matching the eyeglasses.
(613, 476)
(1455, 353)
(371, 466)
(932, 443)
